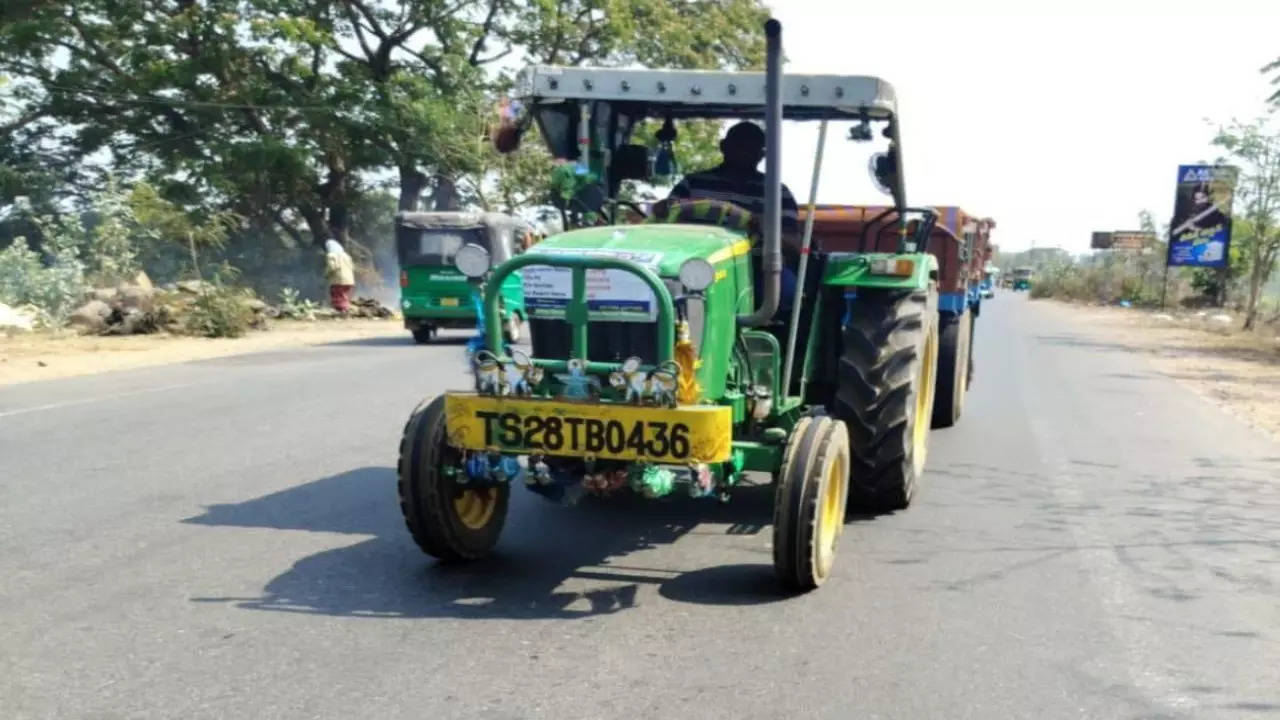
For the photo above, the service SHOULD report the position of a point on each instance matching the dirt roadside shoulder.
(37, 356)
(1239, 372)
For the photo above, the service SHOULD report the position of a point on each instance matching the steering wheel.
(705, 212)
(634, 207)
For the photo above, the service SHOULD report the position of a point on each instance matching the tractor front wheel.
(886, 392)
(447, 520)
(809, 502)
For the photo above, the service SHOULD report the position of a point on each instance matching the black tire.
(428, 495)
(973, 328)
(809, 502)
(885, 393)
(953, 369)
(423, 334)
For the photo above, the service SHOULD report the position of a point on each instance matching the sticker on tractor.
(619, 432)
(547, 290)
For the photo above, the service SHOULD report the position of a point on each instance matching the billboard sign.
(1132, 239)
(1101, 241)
(1201, 230)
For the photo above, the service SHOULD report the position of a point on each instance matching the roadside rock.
(106, 295)
(19, 318)
(92, 317)
(143, 281)
(363, 307)
(135, 297)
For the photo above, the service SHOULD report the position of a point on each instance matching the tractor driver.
(736, 180)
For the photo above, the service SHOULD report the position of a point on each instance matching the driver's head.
(743, 146)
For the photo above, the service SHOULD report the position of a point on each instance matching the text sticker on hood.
(547, 290)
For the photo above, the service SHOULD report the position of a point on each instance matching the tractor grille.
(606, 341)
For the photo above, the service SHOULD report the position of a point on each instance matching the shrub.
(56, 288)
(294, 307)
(220, 310)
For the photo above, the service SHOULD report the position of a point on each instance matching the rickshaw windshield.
(436, 246)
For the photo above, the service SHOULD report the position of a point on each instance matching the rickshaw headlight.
(472, 260)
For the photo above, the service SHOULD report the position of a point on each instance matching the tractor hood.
(658, 246)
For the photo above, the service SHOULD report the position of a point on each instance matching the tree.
(285, 111)
(1255, 148)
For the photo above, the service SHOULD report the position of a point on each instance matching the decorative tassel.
(688, 392)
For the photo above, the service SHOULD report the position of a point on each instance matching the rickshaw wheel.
(423, 334)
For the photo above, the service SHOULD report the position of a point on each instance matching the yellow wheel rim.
(474, 508)
(924, 401)
(831, 518)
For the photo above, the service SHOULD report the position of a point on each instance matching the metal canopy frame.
(686, 94)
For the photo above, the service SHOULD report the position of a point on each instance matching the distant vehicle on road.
(433, 294)
(989, 280)
(1022, 278)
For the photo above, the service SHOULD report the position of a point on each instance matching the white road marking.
(87, 401)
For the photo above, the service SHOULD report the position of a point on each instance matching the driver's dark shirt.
(745, 191)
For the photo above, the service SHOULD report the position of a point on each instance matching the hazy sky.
(1054, 125)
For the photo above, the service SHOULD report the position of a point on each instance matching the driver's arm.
(791, 231)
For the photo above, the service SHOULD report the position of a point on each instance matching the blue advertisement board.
(1200, 235)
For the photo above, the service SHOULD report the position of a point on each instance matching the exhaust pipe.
(772, 257)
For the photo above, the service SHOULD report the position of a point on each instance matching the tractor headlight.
(472, 260)
(900, 267)
(697, 274)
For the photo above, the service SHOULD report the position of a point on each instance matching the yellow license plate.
(448, 302)
(690, 434)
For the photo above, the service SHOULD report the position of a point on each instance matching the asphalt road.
(221, 539)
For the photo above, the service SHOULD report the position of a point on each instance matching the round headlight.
(472, 260)
(697, 274)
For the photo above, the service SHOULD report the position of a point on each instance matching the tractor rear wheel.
(886, 392)
(448, 521)
(953, 369)
(809, 502)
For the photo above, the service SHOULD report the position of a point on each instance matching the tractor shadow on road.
(552, 562)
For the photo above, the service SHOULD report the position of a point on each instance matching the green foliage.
(56, 288)
(220, 310)
(294, 307)
(1254, 147)
(112, 245)
(281, 110)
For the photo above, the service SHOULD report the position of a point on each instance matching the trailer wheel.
(809, 502)
(448, 521)
(953, 369)
(973, 327)
(886, 392)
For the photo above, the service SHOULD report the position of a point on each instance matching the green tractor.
(660, 362)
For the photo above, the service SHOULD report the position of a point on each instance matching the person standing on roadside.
(340, 273)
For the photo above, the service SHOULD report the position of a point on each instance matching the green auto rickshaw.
(433, 294)
(1022, 278)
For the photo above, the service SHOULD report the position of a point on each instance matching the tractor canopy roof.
(710, 94)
